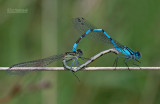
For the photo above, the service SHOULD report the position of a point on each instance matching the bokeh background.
(33, 29)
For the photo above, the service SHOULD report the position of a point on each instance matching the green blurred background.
(43, 28)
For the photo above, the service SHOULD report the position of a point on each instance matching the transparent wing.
(34, 63)
(82, 25)
(118, 44)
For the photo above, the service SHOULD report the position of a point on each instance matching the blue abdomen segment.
(74, 47)
(88, 31)
(97, 29)
(103, 32)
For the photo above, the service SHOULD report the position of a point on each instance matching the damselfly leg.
(126, 59)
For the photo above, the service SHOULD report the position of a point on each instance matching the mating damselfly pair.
(88, 31)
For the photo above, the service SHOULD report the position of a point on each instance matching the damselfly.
(88, 30)
(67, 56)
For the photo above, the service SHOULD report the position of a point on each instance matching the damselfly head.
(79, 51)
(138, 55)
